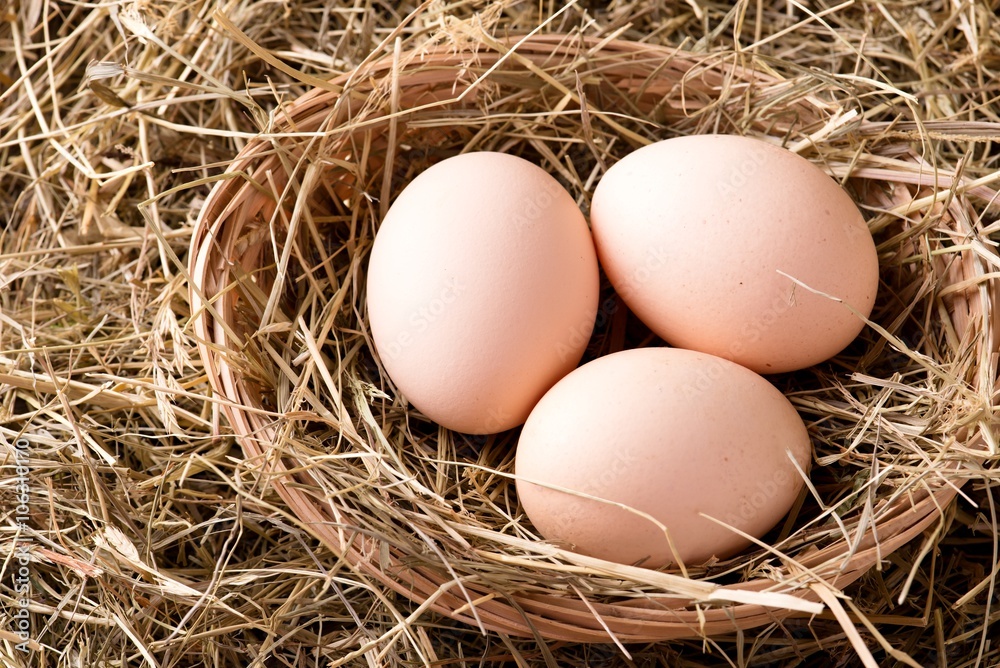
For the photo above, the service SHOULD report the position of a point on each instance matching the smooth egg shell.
(482, 290)
(673, 434)
(704, 237)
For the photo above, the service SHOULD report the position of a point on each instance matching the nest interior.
(897, 420)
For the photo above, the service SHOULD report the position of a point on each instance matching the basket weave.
(238, 253)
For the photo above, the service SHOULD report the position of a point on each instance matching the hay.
(154, 539)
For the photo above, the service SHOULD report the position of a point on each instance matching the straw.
(157, 535)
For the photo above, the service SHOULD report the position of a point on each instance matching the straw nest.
(154, 538)
(899, 421)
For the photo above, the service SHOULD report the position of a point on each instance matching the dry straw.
(150, 541)
(899, 421)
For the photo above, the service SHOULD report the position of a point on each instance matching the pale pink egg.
(650, 442)
(738, 248)
(482, 290)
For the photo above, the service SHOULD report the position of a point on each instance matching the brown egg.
(722, 244)
(482, 290)
(676, 437)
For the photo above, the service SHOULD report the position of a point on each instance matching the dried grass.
(155, 541)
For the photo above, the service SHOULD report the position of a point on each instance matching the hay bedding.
(156, 540)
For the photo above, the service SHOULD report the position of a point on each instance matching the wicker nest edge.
(233, 239)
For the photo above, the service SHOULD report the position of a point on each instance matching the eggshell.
(704, 237)
(674, 435)
(482, 290)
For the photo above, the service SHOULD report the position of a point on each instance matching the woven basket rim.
(217, 247)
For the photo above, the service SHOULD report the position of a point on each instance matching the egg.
(482, 290)
(736, 247)
(647, 443)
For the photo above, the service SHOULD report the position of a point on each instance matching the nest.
(899, 420)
